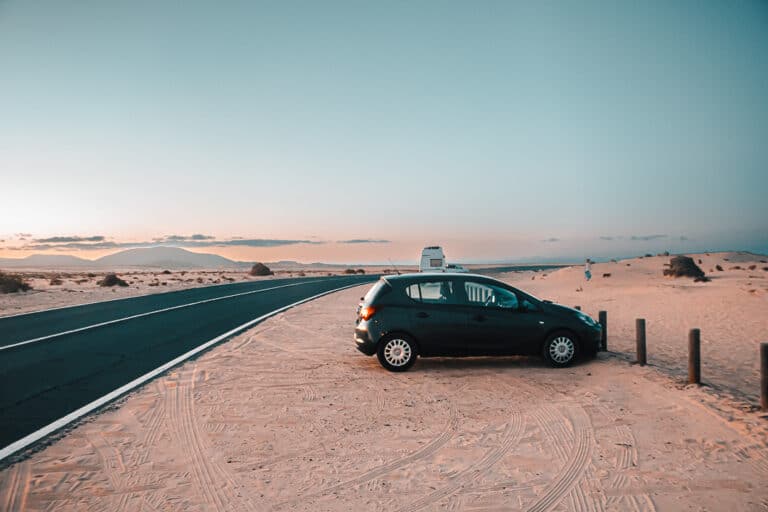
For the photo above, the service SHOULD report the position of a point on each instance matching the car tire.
(561, 349)
(397, 352)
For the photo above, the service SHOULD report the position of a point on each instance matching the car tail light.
(366, 312)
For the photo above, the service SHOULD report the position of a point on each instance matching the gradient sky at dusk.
(502, 130)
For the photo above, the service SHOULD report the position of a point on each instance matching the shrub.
(349, 271)
(112, 280)
(12, 283)
(683, 266)
(699, 261)
(165, 272)
(607, 274)
(649, 255)
(752, 267)
(55, 281)
(361, 271)
(735, 267)
(91, 274)
(302, 274)
(718, 268)
(199, 279)
(260, 269)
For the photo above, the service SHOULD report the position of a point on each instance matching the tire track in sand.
(576, 461)
(208, 475)
(425, 451)
(512, 432)
(16, 488)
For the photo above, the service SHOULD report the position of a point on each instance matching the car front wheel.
(560, 349)
(397, 353)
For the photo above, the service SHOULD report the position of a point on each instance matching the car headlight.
(586, 319)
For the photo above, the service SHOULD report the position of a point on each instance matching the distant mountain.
(158, 257)
(166, 257)
(45, 260)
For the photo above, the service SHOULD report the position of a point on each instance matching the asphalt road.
(44, 380)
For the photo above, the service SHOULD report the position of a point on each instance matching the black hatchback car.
(405, 316)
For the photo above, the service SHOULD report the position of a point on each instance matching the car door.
(496, 325)
(436, 324)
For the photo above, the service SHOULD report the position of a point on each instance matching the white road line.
(125, 318)
(32, 438)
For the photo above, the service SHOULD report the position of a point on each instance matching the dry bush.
(199, 280)
(154, 283)
(112, 280)
(718, 268)
(736, 267)
(91, 274)
(684, 266)
(260, 269)
(607, 274)
(361, 271)
(349, 271)
(302, 274)
(12, 283)
(166, 272)
(55, 281)
(752, 267)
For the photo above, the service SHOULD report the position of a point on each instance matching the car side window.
(480, 294)
(432, 292)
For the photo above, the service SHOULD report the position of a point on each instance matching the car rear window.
(432, 292)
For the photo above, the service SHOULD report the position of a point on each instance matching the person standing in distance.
(588, 269)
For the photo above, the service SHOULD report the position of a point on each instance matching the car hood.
(562, 310)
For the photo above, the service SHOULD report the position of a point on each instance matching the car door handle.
(479, 318)
(422, 314)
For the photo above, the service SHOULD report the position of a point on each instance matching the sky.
(503, 131)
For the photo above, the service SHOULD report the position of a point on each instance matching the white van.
(432, 259)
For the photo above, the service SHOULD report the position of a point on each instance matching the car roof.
(430, 276)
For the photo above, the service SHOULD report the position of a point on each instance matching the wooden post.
(640, 339)
(603, 319)
(577, 307)
(694, 356)
(764, 376)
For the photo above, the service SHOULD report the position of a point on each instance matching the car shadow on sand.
(433, 364)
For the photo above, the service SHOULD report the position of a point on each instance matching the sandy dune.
(731, 311)
(289, 416)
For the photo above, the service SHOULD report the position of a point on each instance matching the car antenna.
(393, 266)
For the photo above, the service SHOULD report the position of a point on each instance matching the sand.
(289, 416)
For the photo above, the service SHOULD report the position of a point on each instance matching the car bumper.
(363, 341)
(590, 338)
